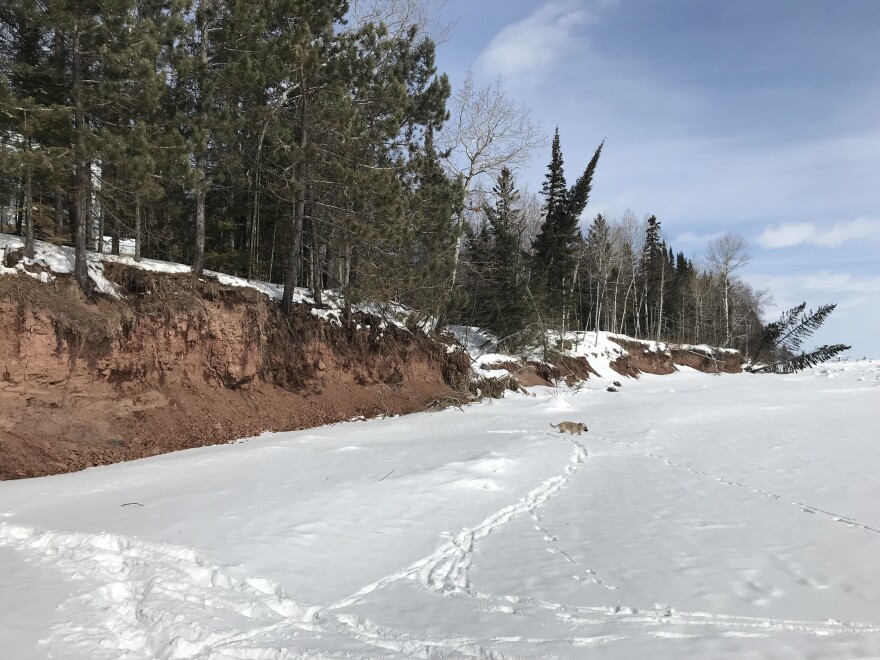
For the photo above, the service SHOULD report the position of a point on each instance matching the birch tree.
(486, 131)
(725, 255)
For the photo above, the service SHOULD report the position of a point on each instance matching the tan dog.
(570, 427)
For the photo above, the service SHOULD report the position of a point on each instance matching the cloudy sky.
(755, 116)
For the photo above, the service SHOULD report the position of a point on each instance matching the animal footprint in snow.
(664, 610)
(599, 583)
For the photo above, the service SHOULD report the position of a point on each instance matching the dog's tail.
(555, 426)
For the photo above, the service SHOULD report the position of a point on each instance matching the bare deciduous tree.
(725, 255)
(532, 216)
(401, 15)
(486, 131)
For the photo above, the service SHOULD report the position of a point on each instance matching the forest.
(316, 144)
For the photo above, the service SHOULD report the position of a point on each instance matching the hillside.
(158, 361)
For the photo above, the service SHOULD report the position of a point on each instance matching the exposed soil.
(728, 363)
(642, 359)
(573, 369)
(527, 374)
(183, 363)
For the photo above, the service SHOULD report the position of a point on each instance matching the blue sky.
(755, 116)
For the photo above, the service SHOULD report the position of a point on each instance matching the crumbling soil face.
(566, 368)
(717, 362)
(573, 369)
(183, 363)
(643, 360)
(624, 367)
(527, 374)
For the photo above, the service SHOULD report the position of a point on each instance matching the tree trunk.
(198, 266)
(89, 209)
(660, 302)
(292, 270)
(299, 206)
(137, 229)
(199, 261)
(727, 338)
(80, 268)
(114, 233)
(314, 255)
(623, 311)
(255, 218)
(59, 213)
(28, 215)
(100, 212)
(19, 212)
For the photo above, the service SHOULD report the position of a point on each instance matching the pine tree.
(554, 186)
(546, 244)
(556, 244)
(803, 361)
(506, 279)
(389, 199)
(34, 147)
(652, 273)
(782, 339)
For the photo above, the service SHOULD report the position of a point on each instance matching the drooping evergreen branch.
(802, 361)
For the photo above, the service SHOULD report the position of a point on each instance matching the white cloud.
(792, 234)
(821, 282)
(692, 238)
(534, 43)
(787, 234)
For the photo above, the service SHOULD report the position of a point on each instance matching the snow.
(703, 516)
(597, 347)
(599, 350)
(51, 260)
(476, 342)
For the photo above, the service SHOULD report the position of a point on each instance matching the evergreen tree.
(652, 273)
(34, 119)
(556, 244)
(509, 304)
(782, 340)
(554, 187)
(681, 312)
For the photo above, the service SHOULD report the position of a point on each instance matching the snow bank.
(51, 260)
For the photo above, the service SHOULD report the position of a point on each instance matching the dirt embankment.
(641, 359)
(183, 363)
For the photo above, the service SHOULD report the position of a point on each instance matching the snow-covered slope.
(51, 260)
(701, 516)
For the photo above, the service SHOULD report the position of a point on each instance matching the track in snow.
(150, 596)
(806, 508)
(446, 569)
(150, 600)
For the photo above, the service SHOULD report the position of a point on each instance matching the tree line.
(316, 144)
(617, 274)
(275, 139)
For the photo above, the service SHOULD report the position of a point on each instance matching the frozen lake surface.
(701, 516)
